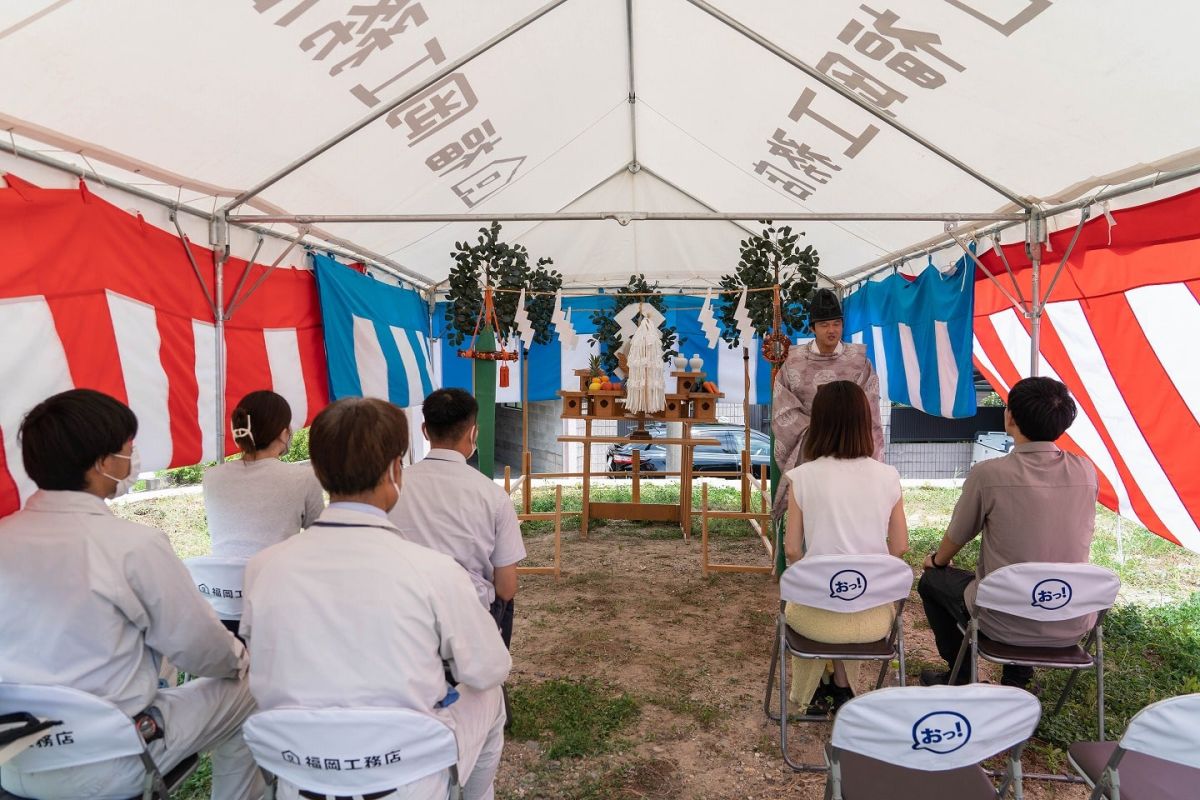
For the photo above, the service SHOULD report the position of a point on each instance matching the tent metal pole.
(1012, 277)
(187, 249)
(1035, 234)
(832, 85)
(1008, 295)
(1062, 264)
(219, 240)
(246, 274)
(388, 107)
(939, 243)
(634, 166)
(348, 250)
(625, 217)
(219, 381)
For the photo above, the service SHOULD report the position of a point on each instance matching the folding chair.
(914, 743)
(350, 751)
(1046, 592)
(843, 584)
(85, 730)
(1157, 758)
(220, 581)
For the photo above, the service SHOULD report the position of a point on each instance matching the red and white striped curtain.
(1122, 330)
(93, 297)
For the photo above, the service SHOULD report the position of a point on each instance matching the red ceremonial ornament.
(775, 344)
(488, 313)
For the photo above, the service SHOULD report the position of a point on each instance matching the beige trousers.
(832, 627)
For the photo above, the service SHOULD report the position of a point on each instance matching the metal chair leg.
(958, 661)
(1100, 679)
(771, 680)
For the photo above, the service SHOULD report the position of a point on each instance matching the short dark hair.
(1042, 408)
(265, 414)
(65, 435)
(841, 423)
(353, 441)
(448, 413)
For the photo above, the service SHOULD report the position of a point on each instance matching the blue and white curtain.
(918, 336)
(376, 338)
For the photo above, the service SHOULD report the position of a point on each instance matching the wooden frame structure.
(760, 521)
(529, 515)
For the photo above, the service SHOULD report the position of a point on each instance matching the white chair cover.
(1167, 729)
(349, 751)
(93, 729)
(220, 581)
(1049, 591)
(936, 728)
(846, 583)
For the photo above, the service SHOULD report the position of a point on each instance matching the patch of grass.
(673, 696)
(573, 717)
(182, 518)
(199, 785)
(1150, 653)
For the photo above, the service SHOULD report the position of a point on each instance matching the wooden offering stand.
(687, 404)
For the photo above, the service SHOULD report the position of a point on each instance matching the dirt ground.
(633, 611)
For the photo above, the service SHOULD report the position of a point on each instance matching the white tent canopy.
(1042, 102)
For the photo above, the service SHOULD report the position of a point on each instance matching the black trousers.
(502, 612)
(942, 592)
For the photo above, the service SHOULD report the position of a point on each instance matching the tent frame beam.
(833, 86)
(939, 243)
(634, 166)
(625, 217)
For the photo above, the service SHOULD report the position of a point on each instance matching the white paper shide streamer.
(645, 390)
(742, 317)
(522, 323)
(708, 321)
(562, 323)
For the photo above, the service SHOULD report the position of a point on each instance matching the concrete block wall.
(545, 426)
(934, 460)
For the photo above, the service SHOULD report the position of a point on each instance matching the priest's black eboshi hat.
(824, 306)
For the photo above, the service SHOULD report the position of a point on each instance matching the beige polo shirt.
(1035, 504)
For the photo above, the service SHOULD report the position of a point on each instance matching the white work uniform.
(252, 505)
(93, 602)
(455, 509)
(349, 614)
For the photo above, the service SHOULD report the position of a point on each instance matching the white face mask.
(474, 440)
(126, 483)
(394, 477)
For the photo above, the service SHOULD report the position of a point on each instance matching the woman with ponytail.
(258, 500)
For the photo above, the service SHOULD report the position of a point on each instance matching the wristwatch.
(148, 727)
(933, 561)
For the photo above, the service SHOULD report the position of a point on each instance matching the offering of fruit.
(711, 387)
(595, 385)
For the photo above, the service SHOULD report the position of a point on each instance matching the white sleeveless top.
(846, 504)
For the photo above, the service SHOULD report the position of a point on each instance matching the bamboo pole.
(636, 492)
(704, 529)
(507, 479)
(746, 423)
(527, 481)
(557, 531)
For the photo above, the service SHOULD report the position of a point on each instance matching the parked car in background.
(726, 456)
